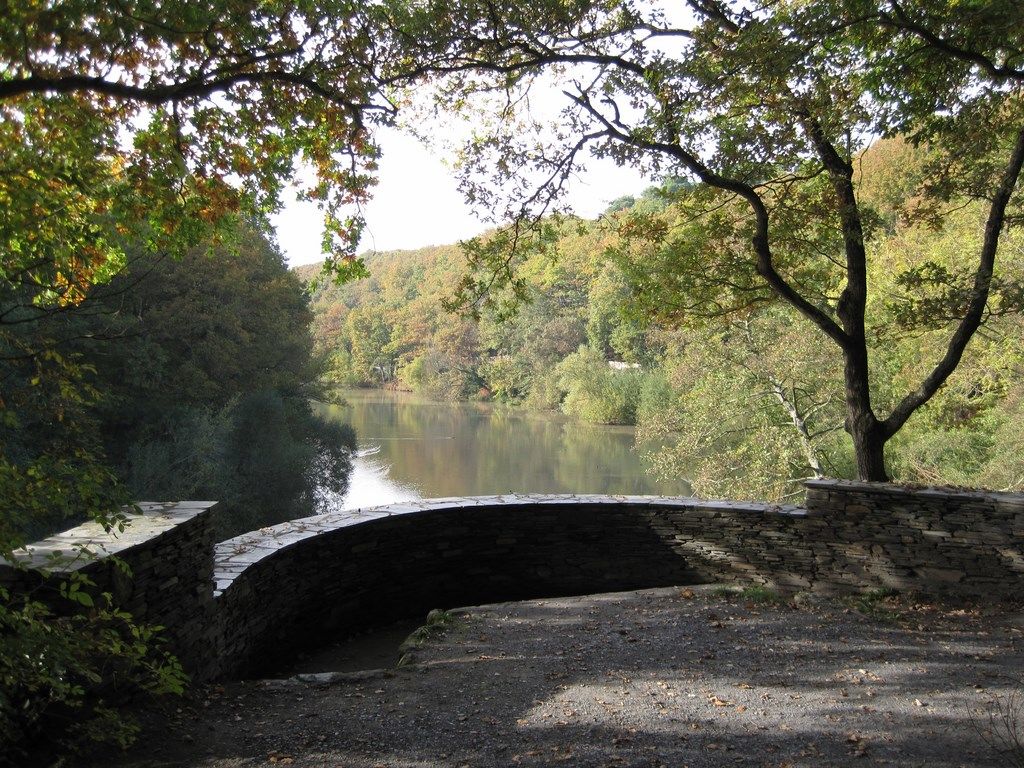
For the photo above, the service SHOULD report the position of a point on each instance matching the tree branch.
(979, 297)
(900, 19)
(762, 247)
(172, 92)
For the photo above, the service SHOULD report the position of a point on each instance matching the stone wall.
(928, 540)
(236, 608)
(300, 582)
(365, 572)
(168, 549)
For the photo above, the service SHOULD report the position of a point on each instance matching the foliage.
(761, 595)
(52, 465)
(207, 384)
(60, 673)
(596, 392)
(508, 378)
(265, 458)
(763, 112)
(751, 410)
(438, 624)
(173, 116)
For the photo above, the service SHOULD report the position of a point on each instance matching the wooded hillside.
(743, 404)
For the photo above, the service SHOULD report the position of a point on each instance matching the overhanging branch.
(762, 247)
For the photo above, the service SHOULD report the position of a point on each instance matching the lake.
(411, 448)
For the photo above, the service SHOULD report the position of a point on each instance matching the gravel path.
(666, 677)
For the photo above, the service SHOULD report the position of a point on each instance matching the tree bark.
(869, 447)
(867, 432)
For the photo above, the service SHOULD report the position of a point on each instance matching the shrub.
(596, 392)
(61, 675)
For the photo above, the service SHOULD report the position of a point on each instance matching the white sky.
(416, 203)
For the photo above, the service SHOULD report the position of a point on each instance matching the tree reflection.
(469, 449)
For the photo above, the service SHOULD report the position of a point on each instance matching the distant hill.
(307, 272)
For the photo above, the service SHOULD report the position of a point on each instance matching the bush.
(413, 375)
(545, 392)
(597, 393)
(507, 377)
(60, 675)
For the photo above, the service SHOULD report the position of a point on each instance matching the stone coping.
(925, 491)
(77, 547)
(234, 556)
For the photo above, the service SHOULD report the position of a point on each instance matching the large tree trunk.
(868, 433)
(869, 449)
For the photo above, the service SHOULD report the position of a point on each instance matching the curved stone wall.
(278, 589)
(295, 584)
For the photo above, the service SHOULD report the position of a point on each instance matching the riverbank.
(679, 676)
(413, 447)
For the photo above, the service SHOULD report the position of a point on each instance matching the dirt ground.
(667, 677)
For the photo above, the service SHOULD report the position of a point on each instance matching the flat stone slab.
(77, 547)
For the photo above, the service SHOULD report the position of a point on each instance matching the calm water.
(412, 448)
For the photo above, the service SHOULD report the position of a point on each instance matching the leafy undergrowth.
(879, 604)
(439, 623)
(66, 679)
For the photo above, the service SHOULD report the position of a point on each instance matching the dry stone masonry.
(236, 607)
(168, 548)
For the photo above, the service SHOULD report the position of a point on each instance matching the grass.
(761, 595)
(877, 604)
(755, 593)
(437, 625)
(725, 592)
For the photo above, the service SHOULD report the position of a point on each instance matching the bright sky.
(416, 203)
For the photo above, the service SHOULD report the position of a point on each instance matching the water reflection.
(413, 448)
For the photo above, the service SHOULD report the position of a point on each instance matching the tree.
(750, 409)
(205, 364)
(766, 108)
(155, 125)
(171, 115)
(595, 392)
(201, 329)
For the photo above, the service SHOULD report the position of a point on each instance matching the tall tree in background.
(767, 107)
(206, 367)
(151, 125)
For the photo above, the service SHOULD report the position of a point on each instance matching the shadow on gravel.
(662, 677)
